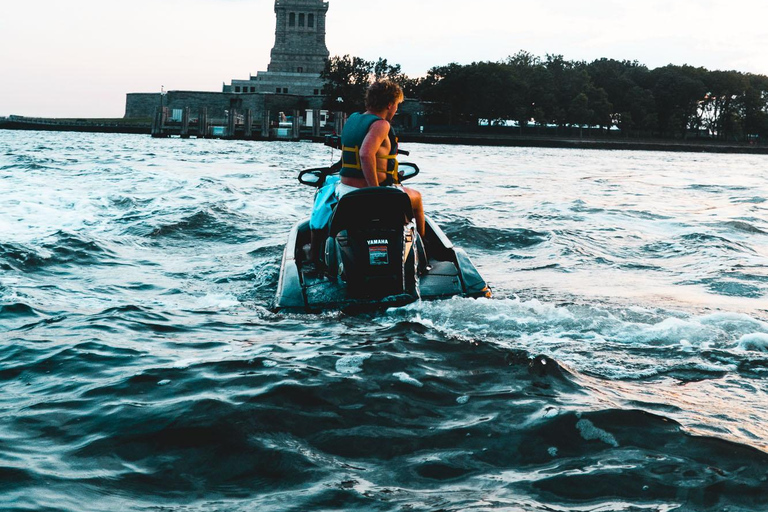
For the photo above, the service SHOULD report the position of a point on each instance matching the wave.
(136, 319)
(141, 371)
(123, 202)
(696, 241)
(745, 227)
(17, 310)
(400, 431)
(15, 256)
(589, 247)
(217, 223)
(411, 407)
(61, 248)
(731, 287)
(547, 328)
(719, 189)
(76, 249)
(465, 233)
(753, 200)
(695, 244)
(688, 471)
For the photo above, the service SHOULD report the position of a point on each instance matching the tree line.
(670, 102)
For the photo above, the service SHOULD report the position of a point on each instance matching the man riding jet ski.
(368, 157)
(367, 241)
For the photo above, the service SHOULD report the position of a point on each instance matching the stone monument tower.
(299, 37)
(298, 56)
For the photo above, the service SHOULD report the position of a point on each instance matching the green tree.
(382, 69)
(570, 80)
(346, 80)
(625, 122)
(616, 78)
(678, 91)
(641, 105)
(601, 107)
(718, 108)
(670, 101)
(411, 86)
(481, 90)
(524, 67)
(543, 94)
(579, 112)
(754, 106)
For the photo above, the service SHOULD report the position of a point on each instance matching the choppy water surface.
(622, 364)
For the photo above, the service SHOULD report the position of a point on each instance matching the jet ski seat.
(370, 245)
(382, 207)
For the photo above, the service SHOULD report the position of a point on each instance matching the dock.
(246, 124)
(107, 125)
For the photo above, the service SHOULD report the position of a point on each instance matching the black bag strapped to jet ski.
(373, 256)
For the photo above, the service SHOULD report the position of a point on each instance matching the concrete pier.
(246, 124)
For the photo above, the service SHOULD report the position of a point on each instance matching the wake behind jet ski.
(373, 256)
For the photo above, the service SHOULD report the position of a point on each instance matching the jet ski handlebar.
(316, 177)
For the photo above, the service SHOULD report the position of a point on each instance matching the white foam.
(474, 316)
(718, 330)
(351, 364)
(757, 342)
(407, 379)
(591, 433)
(216, 301)
(588, 336)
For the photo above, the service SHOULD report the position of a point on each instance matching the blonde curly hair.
(381, 94)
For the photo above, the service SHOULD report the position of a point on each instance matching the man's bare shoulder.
(380, 124)
(379, 129)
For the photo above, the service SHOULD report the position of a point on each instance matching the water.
(622, 364)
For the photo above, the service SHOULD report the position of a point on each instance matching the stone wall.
(141, 105)
(302, 84)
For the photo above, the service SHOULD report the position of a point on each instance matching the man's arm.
(373, 141)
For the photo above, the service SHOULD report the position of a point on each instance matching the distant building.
(299, 54)
(292, 80)
(290, 84)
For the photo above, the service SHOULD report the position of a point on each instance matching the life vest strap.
(394, 172)
(355, 150)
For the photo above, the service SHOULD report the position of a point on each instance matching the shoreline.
(690, 146)
(141, 126)
(85, 125)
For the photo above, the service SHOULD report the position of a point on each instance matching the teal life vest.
(352, 136)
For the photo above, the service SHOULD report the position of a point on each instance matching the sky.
(79, 58)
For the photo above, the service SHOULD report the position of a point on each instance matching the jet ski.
(373, 256)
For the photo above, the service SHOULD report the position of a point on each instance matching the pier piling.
(185, 123)
(248, 124)
(265, 124)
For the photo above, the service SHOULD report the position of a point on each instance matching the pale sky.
(78, 58)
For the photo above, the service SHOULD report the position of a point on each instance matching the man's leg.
(418, 209)
(317, 237)
(325, 200)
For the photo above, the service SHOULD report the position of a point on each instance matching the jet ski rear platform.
(449, 272)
